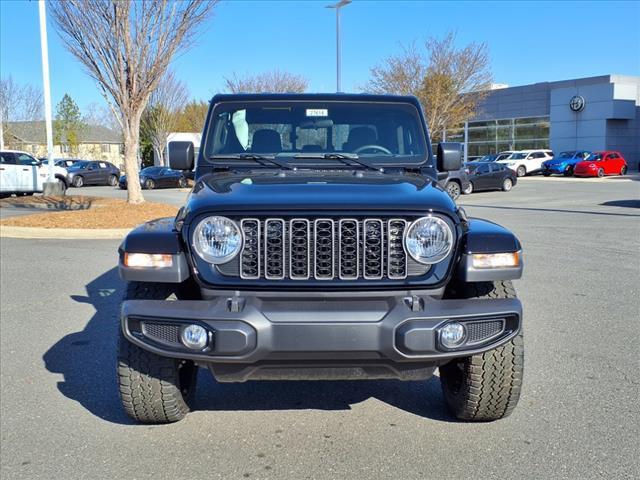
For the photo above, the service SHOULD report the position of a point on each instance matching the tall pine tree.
(68, 124)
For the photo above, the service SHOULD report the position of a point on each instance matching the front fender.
(483, 236)
(154, 237)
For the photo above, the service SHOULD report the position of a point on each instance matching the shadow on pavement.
(622, 203)
(87, 360)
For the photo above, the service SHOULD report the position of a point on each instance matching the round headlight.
(429, 240)
(217, 239)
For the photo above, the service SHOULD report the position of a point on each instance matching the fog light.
(496, 260)
(194, 337)
(452, 335)
(153, 260)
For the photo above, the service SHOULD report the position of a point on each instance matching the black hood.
(316, 190)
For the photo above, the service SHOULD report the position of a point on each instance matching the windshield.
(151, 170)
(517, 156)
(381, 131)
(488, 158)
(566, 155)
(79, 165)
(594, 157)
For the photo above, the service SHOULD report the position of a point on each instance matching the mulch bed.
(75, 211)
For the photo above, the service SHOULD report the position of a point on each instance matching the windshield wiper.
(347, 158)
(261, 159)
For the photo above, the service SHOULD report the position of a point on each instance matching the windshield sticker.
(317, 112)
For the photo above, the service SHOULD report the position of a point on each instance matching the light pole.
(50, 186)
(338, 6)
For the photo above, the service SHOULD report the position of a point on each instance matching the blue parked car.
(564, 163)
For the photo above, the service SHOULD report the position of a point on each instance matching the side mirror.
(181, 155)
(449, 157)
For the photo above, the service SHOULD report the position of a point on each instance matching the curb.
(7, 231)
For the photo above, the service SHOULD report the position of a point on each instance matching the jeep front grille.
(323, 249)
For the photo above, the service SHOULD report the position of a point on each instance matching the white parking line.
(558, 178)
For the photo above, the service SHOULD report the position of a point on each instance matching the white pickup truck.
(21, 173)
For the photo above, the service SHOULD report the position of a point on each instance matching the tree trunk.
(131, 136)
(158, 156)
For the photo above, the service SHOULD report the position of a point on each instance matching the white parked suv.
(20, 172)
(525, 162)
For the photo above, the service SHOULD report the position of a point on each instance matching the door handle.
(26, 169)
(1, 168)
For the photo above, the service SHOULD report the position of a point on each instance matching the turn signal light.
(496, 260)
(149, 260)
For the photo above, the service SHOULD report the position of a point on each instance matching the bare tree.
(161, 115)
(18, 103)
(96, 114)
(126, 47)
(449, 81)
(274, 81)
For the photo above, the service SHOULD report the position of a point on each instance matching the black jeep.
(317, 244)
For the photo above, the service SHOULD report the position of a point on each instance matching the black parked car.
(456, 182)
(489, 176)
(317, 245)
(89, 172)
(158, 177)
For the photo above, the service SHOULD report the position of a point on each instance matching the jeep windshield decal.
(368, 134)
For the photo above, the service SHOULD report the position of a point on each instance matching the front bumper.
(586, 172)
(255, 333)
(554, 169)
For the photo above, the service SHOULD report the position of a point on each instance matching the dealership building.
(595, 113)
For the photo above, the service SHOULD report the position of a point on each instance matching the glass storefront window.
(494, 136)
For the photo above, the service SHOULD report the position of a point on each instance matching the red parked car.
(599, 164)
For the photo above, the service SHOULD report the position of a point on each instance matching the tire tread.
(149, 383)
(491, 382)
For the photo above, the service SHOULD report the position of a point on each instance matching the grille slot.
(274, 243)
(250, 261)
(478, 332)
(349, 243)
(162, 332)
(299, 249)
(323, 249)
(373, 249)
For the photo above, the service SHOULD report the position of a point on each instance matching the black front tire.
(521, 171)
(154, 389)
(484, 387)
(453, 189)
(78, 182)
(63, 185)
(149, 184)
(113, 181)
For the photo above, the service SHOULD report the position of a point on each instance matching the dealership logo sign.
(576, 103)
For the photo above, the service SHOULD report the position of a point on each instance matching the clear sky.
(528, 41)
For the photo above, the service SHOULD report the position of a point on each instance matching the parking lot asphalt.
(578, 417)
